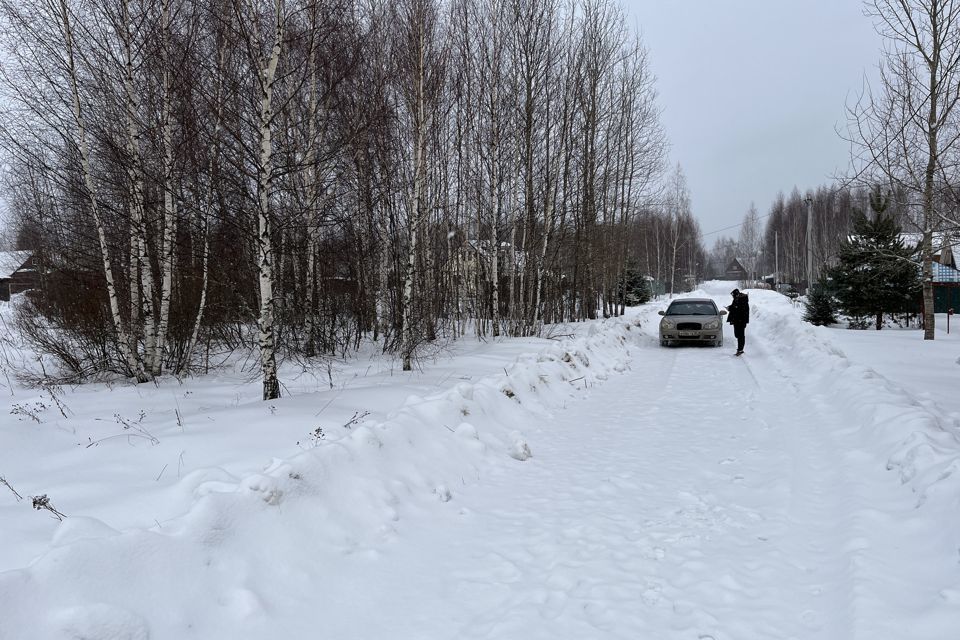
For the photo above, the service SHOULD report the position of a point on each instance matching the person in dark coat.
(739, 316)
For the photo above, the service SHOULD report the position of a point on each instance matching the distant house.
(17, 273)
(946, 288)
(946, 277)
(735, 271)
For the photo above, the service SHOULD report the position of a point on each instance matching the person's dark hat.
(735, 292)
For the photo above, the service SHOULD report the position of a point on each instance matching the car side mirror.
(723, 312)
(662, 312)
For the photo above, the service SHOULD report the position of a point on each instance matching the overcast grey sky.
(753, 92)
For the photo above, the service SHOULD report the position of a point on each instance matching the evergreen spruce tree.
(819, 307)
(876, 273)
(635, 287)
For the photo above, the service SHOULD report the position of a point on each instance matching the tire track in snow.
(719, 553)
(655, 528)
(750, 578)
(814, 534)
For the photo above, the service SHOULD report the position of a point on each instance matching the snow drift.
(299, 517)
(919, 440)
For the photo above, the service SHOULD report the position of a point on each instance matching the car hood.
(701, 319)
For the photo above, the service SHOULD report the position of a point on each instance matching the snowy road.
(726, 509)
(696, 496)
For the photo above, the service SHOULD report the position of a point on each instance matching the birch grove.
(295, 179)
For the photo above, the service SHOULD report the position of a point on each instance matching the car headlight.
(666, 324)
(713, 324)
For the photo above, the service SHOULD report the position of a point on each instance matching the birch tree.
(156, 357)
(419, 56)
(123, 338)
(264, 53)
(907, 133)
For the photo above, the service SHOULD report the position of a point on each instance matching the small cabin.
(17, 273)
(735, 271)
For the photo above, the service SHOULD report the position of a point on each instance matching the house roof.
(913, 237)
(11, 261)
(735, 264)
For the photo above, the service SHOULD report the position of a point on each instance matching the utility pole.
(809, 201)
(776, 259)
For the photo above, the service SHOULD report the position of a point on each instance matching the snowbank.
(919, 440)
(209, 572)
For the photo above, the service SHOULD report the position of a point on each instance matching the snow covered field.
(590, 486)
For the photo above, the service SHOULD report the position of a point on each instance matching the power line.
(759, 218)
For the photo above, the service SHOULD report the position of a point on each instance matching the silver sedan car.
(692, 320)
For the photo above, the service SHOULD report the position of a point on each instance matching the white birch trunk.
(541, 268)
(133, 276)
(408, 283)
(141, 295)
(512, 271)
(415, 216)
(268, 362)
(155, 359)
(495, 267)
(310, 349)
(673, 255)
(381, 304)
(312, 231)
(926, 243)
(419, 178)
(198, 322)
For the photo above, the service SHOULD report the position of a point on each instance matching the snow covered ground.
(591, 486)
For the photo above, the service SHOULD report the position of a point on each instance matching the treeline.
(832, 212)
(779, 240)
(331, 171)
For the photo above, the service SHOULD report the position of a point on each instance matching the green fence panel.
(946, 298)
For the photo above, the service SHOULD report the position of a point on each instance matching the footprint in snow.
(655, 553)
(811, 619)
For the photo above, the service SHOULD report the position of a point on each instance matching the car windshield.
(692, 309)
